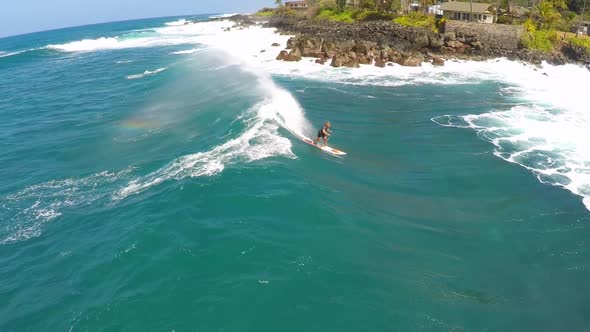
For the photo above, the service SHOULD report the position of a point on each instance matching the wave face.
(254, 132)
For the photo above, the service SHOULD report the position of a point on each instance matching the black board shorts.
(321, 133)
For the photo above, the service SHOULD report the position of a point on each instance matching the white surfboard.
(327, 149)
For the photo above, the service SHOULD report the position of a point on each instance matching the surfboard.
(327, 149)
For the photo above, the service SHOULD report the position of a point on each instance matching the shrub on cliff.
(583, 42)
(351, 16)
(265, 12)
(545, 40)
(373, 15)
(416, 20)
(346, 16)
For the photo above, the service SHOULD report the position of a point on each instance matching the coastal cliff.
(384, 42)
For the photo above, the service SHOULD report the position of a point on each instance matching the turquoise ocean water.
(150, 182)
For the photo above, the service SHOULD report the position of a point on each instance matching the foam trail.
(24, 213)
(7, 54)
(146, 73)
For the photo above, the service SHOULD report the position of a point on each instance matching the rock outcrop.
(382, 42)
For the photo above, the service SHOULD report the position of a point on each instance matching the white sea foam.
(223, 15)
(191, 51)
(178, 22)
(4, 54)
(146, 73)
(547, 132)
(24, 213)
(114, 43)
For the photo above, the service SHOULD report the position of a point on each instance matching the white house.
(455, 10)
(296, 4)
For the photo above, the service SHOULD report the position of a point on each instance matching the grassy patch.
(544, 40)
(416, 20)
(346, 16)
(264, 14)
(541, 40)
(582, 42)
(351, 16)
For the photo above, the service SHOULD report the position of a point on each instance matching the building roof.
(300, 2)
(456, 6)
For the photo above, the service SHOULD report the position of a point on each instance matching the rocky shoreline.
(384, 43)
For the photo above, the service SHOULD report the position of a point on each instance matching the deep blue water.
(167, 201)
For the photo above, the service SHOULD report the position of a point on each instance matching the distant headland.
(355, 32)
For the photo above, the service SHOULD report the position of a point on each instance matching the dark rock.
(275, 45)
(436, 40)
(345, 60)
(436, 61)
(380, 63)
(450, 36)
(262, 51)
(321, 61)
(364, 60)
(421, 41)
(283, 55)
(291, 43)
(294, 55)
(411, 61)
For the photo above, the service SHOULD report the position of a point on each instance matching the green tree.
(341, 4)
(279, 3)
(548, 14)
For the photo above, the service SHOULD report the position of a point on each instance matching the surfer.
(324, 133)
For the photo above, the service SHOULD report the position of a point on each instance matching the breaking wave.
(146, 73)
(546, 132)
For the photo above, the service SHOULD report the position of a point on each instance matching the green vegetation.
(416, 20)
(334, 15)
(265, 12)
(545, 41)
(351, 16)
(542, 30)
(582, 42)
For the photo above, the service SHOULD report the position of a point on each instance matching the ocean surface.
(151, 181)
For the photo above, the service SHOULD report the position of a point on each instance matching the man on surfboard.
(324, 133)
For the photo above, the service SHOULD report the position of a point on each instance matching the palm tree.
(279, 3)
